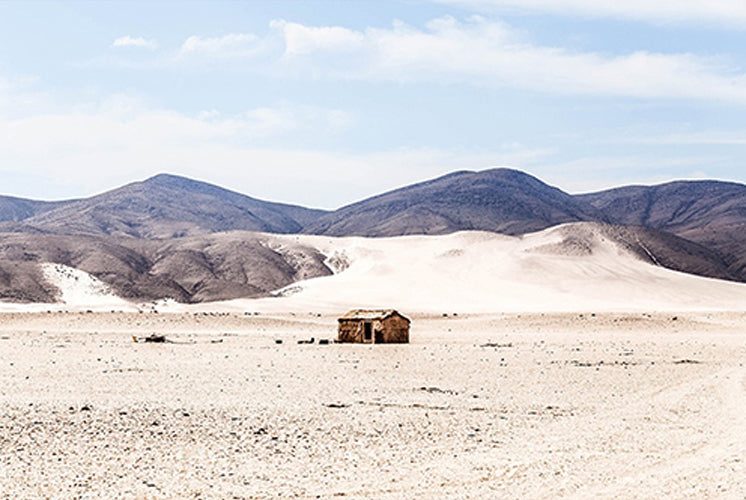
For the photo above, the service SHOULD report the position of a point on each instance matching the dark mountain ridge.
(678, 206)
(163, 206)
(500, 200)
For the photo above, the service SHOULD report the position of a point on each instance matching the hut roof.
(370, 314)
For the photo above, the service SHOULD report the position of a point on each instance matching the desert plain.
(514, 405)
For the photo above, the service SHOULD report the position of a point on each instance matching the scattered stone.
(496, 345)
(151, 338)
(437, 390)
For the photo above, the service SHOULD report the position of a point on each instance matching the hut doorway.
(379, 336)
(367, 331)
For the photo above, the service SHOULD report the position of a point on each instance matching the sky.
(322, 103)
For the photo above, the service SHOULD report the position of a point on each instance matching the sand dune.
(566, 268)
(78, 288)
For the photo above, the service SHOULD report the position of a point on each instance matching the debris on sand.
(161, 339)
(686, 362)
(151, 338)
(309, 341)
(336, 405)
(496, 345)
(597, 364)
(437, 390)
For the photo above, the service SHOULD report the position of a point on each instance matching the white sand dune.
(79, 289)
(487, 272)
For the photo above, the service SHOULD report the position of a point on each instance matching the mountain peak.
(503, 172)
(180, 182)
(164, 178)
(500, 199)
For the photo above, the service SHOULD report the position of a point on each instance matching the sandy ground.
(609, 405)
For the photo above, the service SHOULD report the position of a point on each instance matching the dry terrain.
(604, 405)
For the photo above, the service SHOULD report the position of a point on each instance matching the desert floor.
(476, 406)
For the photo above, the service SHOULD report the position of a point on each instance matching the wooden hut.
(373, 327)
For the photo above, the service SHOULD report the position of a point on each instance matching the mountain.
(678, 207)
(710, 213)
(17, 209)
(500, 200)
(164, 206)
(189, 269)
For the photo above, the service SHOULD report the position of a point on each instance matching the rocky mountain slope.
(500, 200)
(710, 213)
(163, 206)
(17, 209)
(190, 269)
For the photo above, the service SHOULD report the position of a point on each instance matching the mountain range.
(163, 206)
(159, 237)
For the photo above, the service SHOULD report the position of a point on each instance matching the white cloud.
(138, 42)
(720, 12)
(226, 46)
(482, 52)
(300, 39)
(287, 118)
(477, 52)
(121, 119)
(18, 96)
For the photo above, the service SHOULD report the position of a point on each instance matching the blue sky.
(322, 103)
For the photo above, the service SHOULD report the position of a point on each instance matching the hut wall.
(350, 331)
(395, 330)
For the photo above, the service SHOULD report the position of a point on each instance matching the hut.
(365, 326)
